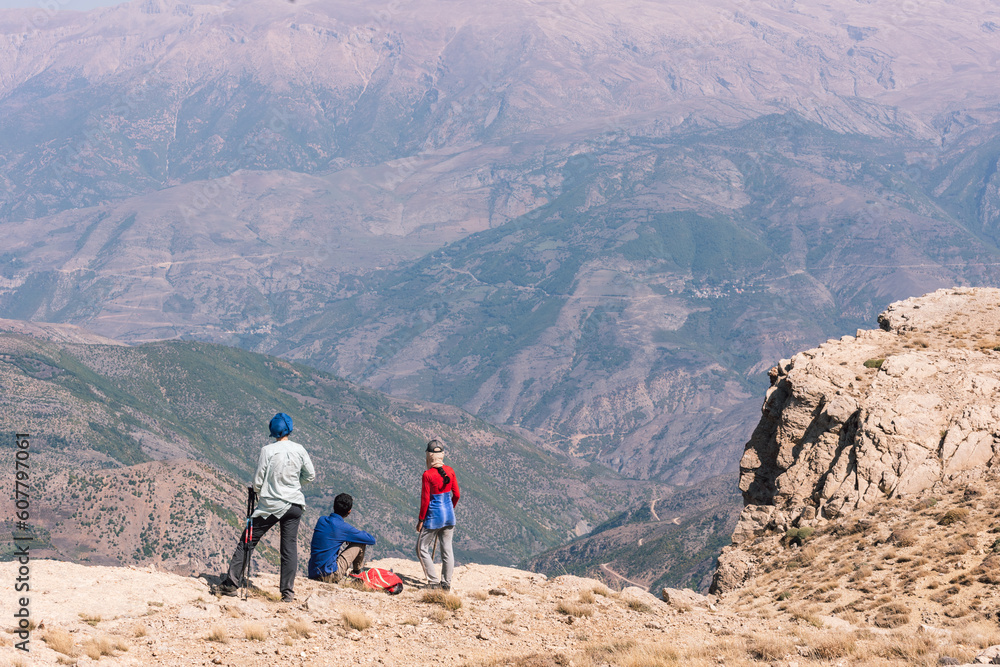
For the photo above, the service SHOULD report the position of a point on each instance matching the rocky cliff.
(889, 414)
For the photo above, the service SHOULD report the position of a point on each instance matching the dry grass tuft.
(602, 590)
(575, 610)
(217, 634)
(587, 597)
(61, 642)
(410, 620)
(770, 647)
(978, 634)
(903, 537)
(299, 628)
(97, 647)
(988, 571)
(479, 595)
(140, 631)
(631, 654)
(962, 545)
(959, 514)
(256, 632)
(912, 649)
(892, 615)
(271, 596)
(447, 600)
(90, 619)
(637, 605)
(833, 645)
(355, 619)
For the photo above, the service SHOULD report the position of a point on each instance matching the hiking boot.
(445, 587)
(288, 598)
(229, 590)
(432, 587)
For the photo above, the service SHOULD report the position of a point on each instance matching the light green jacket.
(281, 469)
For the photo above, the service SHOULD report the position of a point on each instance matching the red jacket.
(433, 485)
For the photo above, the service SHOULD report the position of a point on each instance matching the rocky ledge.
(893, 412)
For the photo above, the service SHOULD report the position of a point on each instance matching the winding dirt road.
(604, 566)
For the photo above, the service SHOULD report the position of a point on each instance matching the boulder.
(735, 568)
(989, 656)
(683, 599)
(640, 595)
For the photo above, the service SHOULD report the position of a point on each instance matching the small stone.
(947, 660)
(484, 634)
(216, 661)
(354, 636)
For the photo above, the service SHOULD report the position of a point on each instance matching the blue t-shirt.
(330, 533)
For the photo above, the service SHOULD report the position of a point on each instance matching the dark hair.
(444, 476)
(342, 504)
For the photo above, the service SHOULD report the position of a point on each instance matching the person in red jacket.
(438, 496)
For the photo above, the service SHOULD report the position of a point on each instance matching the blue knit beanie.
(281, 425)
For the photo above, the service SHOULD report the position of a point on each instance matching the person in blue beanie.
(281, 469)
(338, 548)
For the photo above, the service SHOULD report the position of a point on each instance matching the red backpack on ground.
(381, 580)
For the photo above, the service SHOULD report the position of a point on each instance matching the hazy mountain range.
(592, 222)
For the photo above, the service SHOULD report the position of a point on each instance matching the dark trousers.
(289, 549)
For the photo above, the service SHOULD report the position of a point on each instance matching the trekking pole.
(420, 560)
(248, 542)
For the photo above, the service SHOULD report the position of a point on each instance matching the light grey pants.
(425, 546)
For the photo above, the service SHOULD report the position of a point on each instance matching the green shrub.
(798, 536)
(874, 363)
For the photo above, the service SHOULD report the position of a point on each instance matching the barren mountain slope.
(667, 541)
(155, 92)
(612, 325)
(99, 414)
(662, 199)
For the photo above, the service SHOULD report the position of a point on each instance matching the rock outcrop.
(887, 413)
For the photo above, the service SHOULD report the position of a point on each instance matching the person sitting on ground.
(282, 467)
(338, 548)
